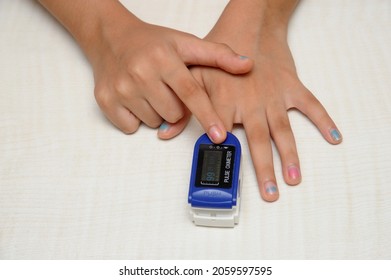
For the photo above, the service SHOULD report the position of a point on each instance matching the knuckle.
(310, 101)
(190, 90)
(137, 72)
(122, 87)
(281, 125)
(258, 133)
(157, 54)
(130, 127)
(103, 98)
(175, 114)
(154, 122)
(225, 47)
(306, 98)
(259, 137)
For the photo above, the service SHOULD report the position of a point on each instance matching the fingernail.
(293, 172)
(164, 127)
(271, 188)
(243, 57)
(335, 134)
(215, 134)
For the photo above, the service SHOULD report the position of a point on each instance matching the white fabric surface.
(74, 187)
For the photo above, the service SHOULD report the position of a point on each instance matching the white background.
(74, 187)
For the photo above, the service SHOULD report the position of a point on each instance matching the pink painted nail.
(293, 172)
(215, 133)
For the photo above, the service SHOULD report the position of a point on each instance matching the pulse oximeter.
(214, 192)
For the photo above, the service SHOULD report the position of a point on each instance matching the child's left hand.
(259, 100)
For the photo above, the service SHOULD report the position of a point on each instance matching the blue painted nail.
(271, 188)
(243, 57)
(335, 135)
(164, 127)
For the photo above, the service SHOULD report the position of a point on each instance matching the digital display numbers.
(211, 167)
(215, 166)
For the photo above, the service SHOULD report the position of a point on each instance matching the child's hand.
(140, 69)
(259, 100)
(141, 74)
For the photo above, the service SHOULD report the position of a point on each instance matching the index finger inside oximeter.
(214, 193)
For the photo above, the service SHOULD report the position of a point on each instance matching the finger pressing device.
(214, 192)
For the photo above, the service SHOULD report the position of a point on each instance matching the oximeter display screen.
(211, 167)
(215, 166)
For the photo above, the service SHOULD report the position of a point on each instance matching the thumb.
(200, 52)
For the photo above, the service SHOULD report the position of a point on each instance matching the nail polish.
(271, 188)
(335, 134)
(243, 57)
(215, 133)
(293, 172)
(164, 127)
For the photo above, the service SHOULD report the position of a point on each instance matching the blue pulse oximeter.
(214, 193)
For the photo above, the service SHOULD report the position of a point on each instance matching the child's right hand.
(141, 74)
(140, 69)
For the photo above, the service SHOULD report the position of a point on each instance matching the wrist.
(246, 24)
(239, 26)
(107, 25)
(91, 22)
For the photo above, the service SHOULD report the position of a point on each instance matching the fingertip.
(216, 134)
(124, 120)
(335, 136)
(332, 135)
(269, 191)
(245, 63)
(293, 175)
(168, 130)
(131, 129)
(237, 64)
(219, 55)
(315, 111)
(243, 57)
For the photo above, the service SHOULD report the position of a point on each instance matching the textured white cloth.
(74, 187)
